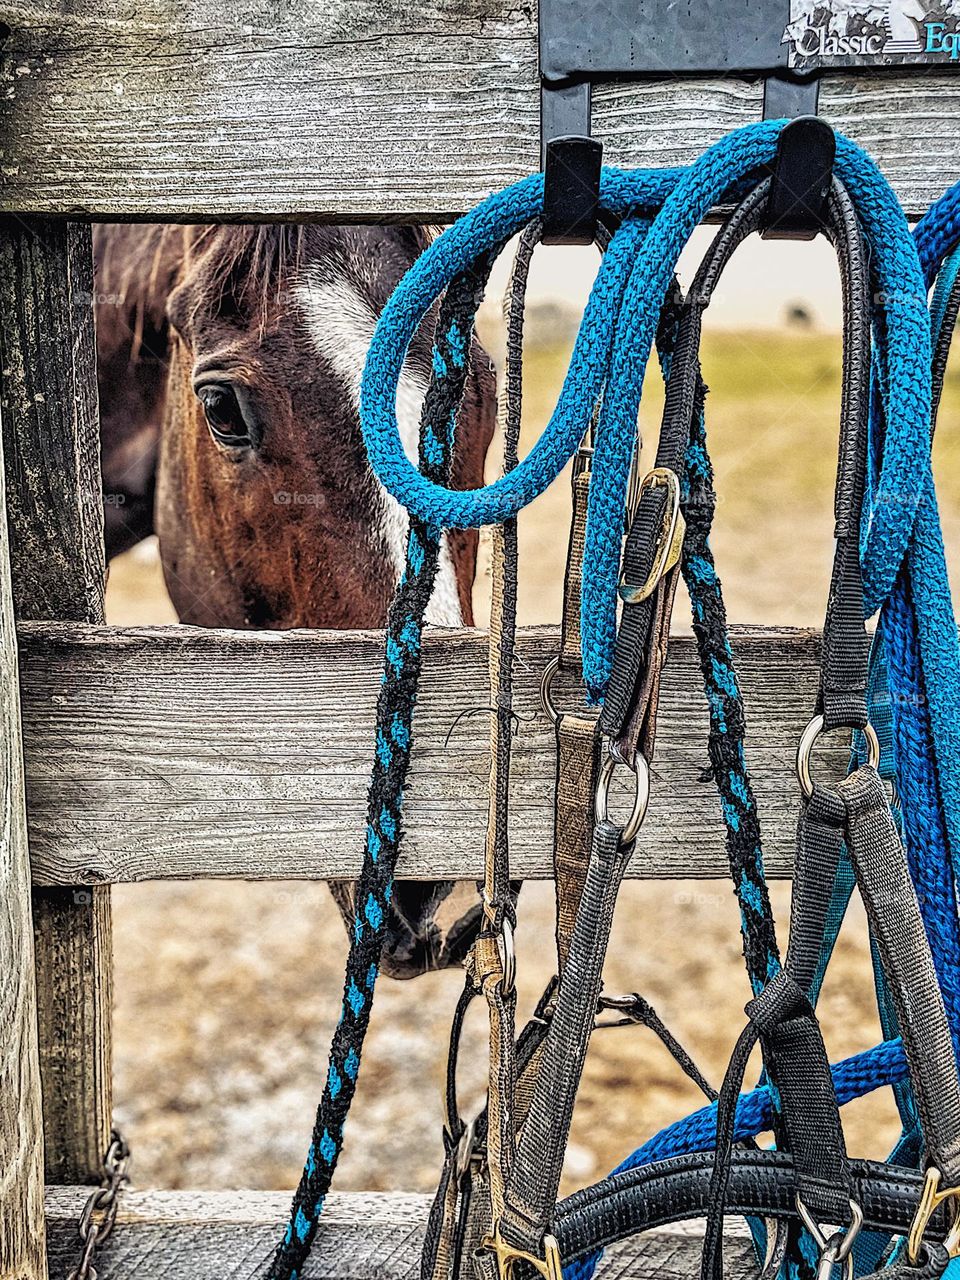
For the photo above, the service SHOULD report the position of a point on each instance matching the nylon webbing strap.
(535, 1178)
(795, 1056)
(578, 762)
(578, 741)
(883, 878)
(570, 655)
(793, 1048)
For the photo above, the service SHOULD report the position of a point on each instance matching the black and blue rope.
(394, 741)
(727, 729)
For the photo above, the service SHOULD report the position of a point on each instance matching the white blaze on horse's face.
(341, 324)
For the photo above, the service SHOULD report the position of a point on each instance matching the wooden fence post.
(22, 1245)
(52, 450)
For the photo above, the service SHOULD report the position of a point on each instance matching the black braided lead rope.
(727, 732)
(394, 741)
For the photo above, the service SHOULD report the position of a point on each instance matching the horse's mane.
(251, 262)
(138, 266)
(247, 265)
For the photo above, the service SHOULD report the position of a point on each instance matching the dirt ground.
(220, 1059)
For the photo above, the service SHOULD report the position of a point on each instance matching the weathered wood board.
(182, 752)
(231, 1235)
(351, 110)
(51, 442)
(22, 1253)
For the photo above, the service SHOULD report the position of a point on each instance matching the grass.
(772, 418)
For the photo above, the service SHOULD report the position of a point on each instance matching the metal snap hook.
(508, 957)
(546, 689)
(837, 1250)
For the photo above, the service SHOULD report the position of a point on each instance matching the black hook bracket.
(787, 43)
(800, 180)
(571, 162)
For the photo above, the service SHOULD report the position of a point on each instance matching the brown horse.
(230, 361)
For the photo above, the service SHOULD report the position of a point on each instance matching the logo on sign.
(847, 30)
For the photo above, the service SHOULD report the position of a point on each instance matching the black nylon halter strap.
(531, 1191)
(842, 697)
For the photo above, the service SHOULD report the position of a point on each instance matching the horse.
(229, 361)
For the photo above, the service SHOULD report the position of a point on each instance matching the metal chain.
(100, 1211)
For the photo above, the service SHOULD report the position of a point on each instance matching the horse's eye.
(224, 415)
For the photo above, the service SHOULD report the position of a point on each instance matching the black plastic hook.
(571, 190)
(801, 178)
(571, 162)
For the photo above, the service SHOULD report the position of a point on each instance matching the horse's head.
(267, 511)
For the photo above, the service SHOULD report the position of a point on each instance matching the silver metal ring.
(809, 737)
(546, 689)
(641, 772)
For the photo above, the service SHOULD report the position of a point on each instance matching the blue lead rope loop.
(611, 353)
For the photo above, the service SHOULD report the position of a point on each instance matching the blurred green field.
(772, 416)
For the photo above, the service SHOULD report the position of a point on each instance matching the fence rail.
(178, 752)
(231, 1235)
(351, 111)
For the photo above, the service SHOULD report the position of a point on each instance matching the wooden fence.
(138, 757)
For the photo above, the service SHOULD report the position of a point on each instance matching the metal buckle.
(507, 1256)
(614, 1005)
(582, 460)
(931, 1199)
(670, 542)
(837, 1250)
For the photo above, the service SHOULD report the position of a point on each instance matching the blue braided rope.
(727, 723)
(394, 741)
(906, 730)
(613, 347)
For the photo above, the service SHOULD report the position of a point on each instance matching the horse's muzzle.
(430, 924)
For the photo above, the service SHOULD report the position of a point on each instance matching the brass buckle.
(507, 1256)
(670, 542)
(930, 1201)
